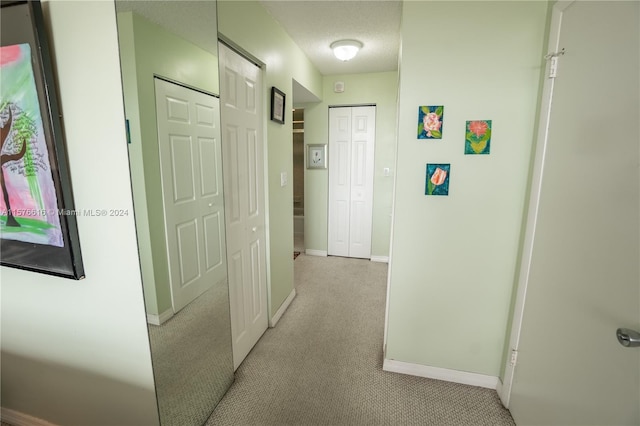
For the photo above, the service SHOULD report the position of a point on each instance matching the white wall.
(454, 258)
(77, 352)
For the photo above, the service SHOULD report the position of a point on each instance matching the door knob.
(254, 229)
(628, 338)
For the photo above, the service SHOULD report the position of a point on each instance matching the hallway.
(322, 363)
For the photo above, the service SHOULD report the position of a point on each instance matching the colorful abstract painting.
(29, 206)
(478, 137)
(437, 179)
(430, 122)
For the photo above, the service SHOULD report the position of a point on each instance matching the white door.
(583, 276)
(191, 170)
(241, 94)
(351, 166)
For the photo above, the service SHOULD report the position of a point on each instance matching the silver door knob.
(628, 338)
(254, 229)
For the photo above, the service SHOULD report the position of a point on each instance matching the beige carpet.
(192, 358)
(322, 364)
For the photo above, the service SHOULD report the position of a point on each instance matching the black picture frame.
(278, 100)
(33, 155)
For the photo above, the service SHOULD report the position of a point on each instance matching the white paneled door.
(581, 271)
(241, 94)
(351, 166)
(191, 170)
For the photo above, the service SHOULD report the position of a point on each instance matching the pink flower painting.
(438, 179)
(430, 122)
(478, 137)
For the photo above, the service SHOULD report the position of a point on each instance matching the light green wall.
(77, 352)
(374, 88)
(148, 50)
(247, 25)
(454, 258)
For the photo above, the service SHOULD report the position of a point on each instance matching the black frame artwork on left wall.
(38, 227)
(278, 99)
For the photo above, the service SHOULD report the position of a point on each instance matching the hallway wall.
(77, 352)
(454, 257)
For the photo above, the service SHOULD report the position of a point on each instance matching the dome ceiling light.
(346, 49)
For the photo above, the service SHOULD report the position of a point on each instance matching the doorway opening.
(298, 180)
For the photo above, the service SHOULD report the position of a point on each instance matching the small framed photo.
(317, 156)
(277, 105)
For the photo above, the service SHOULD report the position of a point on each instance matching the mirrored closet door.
(169, 60)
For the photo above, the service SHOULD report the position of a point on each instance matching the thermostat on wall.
(338, 86)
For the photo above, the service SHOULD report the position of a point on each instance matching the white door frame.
(534, 203)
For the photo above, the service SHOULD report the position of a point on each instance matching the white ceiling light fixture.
(346, 49)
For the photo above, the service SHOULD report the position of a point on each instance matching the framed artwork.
(437, 182)
(317, 156)
(430, 122)
(38, 230)
(277, 105)
(478, 137)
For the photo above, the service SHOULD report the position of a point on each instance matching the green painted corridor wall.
(77, 352)
(454, 258)
(247, 25)
(373, 88)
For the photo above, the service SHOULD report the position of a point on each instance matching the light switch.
(386, 171)
(283, 179)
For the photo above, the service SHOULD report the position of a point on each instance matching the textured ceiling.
(314, 25)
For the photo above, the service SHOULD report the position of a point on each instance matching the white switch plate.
(283, 179)
(386, 171)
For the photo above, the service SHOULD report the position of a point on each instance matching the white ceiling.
(312, 24)
(315, 24)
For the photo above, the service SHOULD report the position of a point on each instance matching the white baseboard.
(438, 373)
(310, 252)
(381, 259)
(16, 418)
(159, 319)
(273, 321)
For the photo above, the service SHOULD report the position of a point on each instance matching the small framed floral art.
(437, 179)
(478, 137)
(430, 122)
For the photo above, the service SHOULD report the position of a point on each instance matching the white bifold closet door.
(351, 166)
(241, 95)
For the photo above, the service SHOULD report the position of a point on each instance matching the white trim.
(281, 310)
(17, 418)
(160, 319)
(322, 253)
(455, 376)
(381, 259)
(500, 389)
(393, 212)
(534, 202)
